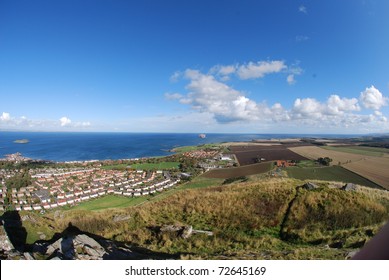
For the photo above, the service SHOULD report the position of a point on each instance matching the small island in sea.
(21, 141)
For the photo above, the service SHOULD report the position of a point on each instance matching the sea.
(85, 146)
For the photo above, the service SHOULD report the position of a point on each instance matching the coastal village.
(56, 187)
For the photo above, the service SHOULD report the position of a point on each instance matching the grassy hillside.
(267, 219)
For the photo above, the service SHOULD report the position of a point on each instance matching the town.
(59, 187)
(71, 183)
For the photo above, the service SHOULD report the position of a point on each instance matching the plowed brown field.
(249, 154)
(375, 169)
(225, 173)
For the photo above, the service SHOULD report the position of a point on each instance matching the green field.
(359, 150)
(185, 149)
(156, 166)
(332, 173)
(307, 163)
(202, 182)
(110, 201)
(115, 166)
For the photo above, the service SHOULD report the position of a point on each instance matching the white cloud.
(303, 9)
(372, 98)
(82, 124)
(254, 70)
(206, 94)
(65, 121)
(24, 123)
(307, 108)
(173, 96)
(175, 77)
(290, 79)
(337, 105)
(223, 70)
(5, 117)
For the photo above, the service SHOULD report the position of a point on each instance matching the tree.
(324, 161)
(19, 180)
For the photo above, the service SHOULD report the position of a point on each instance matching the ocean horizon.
(83, 146)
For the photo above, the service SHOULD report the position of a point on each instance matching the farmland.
(314, 152)
(332, 173)
(360, 150)
(251, 169)
(370, 167)
(249, 154)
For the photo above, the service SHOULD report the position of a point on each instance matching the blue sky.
(195, 66)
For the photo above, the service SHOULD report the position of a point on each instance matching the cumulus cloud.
(259, 69)
(206, 94)
(307, 108)
(255, 70)
(65, 121)
(5, 117)
(372, 98)
(337, 105)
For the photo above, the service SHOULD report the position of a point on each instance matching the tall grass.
(245, 219)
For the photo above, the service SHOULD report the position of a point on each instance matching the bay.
(80, 146)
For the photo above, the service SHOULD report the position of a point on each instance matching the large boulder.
(349, 187)
(310, 186)
(187, 232)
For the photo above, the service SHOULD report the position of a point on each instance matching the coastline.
(63, 147)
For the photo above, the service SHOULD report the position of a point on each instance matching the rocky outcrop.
(83, 247)
(310, 186)
(5, 244)
(183, 231)
(349, 187)
(121, 218)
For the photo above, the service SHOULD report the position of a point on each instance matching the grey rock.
(187, 232)
(351, 254)
(56, 246)
(170, 228)
(86, 240)
(206, 232)
(28, 256)
(120, 218)
(28, 218)
(310, 186)
(94, 253)
(349, 187)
